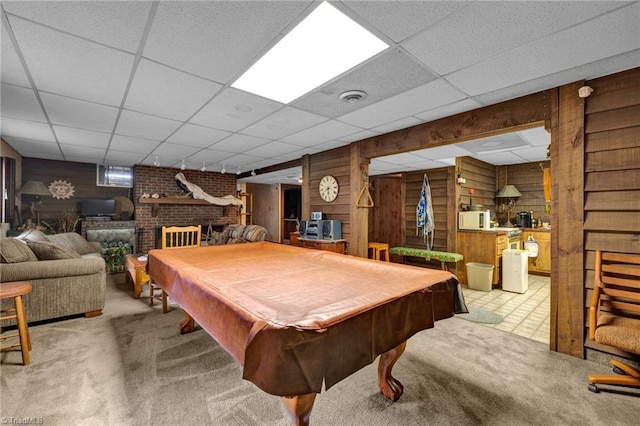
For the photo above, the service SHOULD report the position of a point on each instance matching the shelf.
(166, 200)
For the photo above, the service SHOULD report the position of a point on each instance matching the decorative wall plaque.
(61, 189)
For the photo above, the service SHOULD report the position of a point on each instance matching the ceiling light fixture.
(203, 168)
(183, 166)
(238, 172)
(223, 171)
(324, 45)
(352, 96)
(157, 162)
(253, 172)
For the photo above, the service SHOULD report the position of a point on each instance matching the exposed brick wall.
(161, 180)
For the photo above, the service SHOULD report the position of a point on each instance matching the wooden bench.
(442, 256)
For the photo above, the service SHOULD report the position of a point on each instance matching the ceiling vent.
(352, 96)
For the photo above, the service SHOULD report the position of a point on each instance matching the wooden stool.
(378, 248)
(16, 290)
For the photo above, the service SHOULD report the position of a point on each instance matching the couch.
(236, 233)
(66, 272)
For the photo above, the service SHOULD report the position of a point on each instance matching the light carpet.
(131, 367)
(482, 316)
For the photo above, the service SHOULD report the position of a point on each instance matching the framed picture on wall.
(117, 176)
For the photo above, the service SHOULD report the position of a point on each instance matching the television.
(98, 208)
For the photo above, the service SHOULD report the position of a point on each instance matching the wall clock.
(328, 188)
(61, 189)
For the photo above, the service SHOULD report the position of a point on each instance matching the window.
(120, 176)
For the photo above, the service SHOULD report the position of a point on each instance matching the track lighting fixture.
(238, 172)
(157, 162)
(203, 168)
(253, 172)
(223, 171)
(183, 166)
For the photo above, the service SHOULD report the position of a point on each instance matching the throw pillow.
(15, 251)
(73, 241)
(33, 235)
(49, 251)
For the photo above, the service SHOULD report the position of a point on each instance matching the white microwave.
(474, 220)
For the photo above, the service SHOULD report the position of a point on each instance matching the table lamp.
(36, 188)
(509, 192)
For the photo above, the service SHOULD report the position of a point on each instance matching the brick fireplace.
(161, 180)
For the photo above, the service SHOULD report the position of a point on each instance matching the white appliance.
(515, 270)
(479, 220)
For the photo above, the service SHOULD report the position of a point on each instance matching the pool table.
(298, 318)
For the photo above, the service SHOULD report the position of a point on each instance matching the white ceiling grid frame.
(88, 138)
(12, 69)
(195, 135)
(37, 131)
(282, 123)
(21, 103)
(323, 132)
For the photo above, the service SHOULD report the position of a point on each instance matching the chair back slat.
(616, 287)
(181, 236)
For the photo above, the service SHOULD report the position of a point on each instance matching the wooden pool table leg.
(187, 325)
(389, 386)
(299, 407)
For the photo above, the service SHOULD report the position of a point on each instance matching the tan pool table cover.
(296, 318)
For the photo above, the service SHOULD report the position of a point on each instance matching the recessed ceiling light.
(324, 45)
(352, 96)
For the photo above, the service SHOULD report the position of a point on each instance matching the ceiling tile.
(283, 123)
(454, 108)
(117, 24)
(20, 102)
(82, 154)
(63, 64)
(171, 150)
(233, 110)
(34, 148)
(494, 143)
(166, 92)
(129, 144)
(423, 98)
(609, 35)
(500, 158)
(389, 73)
(215, 40)
(23, 129)
(12, 69)
(323, 132)
(238, 143)
(71, 136)
(212, 156)
(134, 124)
(487, 29)
(121, 158)
(401, 19)
(193, 135)
(272, 149)
(403, 123)
(537, 136)
(81, 114)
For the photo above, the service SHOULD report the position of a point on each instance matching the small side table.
(137, 272)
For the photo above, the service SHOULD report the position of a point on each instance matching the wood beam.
(516, 114)
(305, 198)
(567, 254)
(359, 216)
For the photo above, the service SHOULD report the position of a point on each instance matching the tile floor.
(524, 314)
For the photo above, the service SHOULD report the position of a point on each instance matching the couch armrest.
(42, 269)
(96, 245)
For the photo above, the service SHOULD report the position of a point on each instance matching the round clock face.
(328, 188)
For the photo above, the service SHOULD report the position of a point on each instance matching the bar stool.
(378, 248)
(16, 290)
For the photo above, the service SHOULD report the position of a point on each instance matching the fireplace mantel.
(170, 200)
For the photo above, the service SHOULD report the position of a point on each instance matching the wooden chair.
(16, 290)
(614, 314)
(174, 237)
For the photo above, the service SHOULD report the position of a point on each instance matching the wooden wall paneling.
(569, 171)
(481, 177)
(552, 126)
(612, 171)
(616, 91)
(387, 224)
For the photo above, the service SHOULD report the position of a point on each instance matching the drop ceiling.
(125, 83)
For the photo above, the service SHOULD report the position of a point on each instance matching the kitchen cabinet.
(482, 247)
(542, 263)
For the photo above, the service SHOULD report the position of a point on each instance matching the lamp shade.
(508, 191)
(34, 187)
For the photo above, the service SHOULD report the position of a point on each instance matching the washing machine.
(515, 270)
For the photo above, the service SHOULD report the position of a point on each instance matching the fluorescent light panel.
(321, 47)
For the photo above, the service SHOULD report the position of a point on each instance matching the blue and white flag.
(424, 214)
